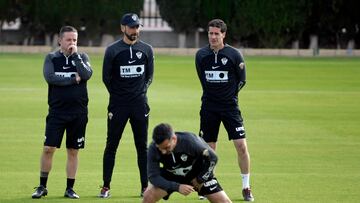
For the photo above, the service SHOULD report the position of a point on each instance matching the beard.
(132, 37)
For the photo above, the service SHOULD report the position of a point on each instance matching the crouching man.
(181, 162)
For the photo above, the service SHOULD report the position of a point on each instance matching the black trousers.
(139, 120)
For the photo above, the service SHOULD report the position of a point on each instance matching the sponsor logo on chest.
(65, 74)
(216, 76)
(131, 71)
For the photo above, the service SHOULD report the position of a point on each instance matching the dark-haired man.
(127, 74)
(181, 162)
(66, 71)
(221, 70)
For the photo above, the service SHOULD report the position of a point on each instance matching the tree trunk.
(32, 39)
(47, 39)
(197, 39)
(106, 39)
(26, 41)
(55, 41)
(182, 40)
(1, 24)
(90, 43)
(350, 47)
(295, 44)
(314, 44)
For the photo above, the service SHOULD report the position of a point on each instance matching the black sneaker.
(247, 195)
(70, 193)
(39, 192)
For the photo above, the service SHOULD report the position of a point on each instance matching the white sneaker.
(202, 197)
(104, 193)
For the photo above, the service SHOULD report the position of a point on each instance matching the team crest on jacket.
(110, 115)
(224, 61)
(242, 65)
(184, 157)
(139, 54)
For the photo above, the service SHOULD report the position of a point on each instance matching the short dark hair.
(219, 24)
(162, 132)
(66, 28)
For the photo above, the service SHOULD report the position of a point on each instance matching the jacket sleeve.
(198, 69)
(240, 71)
(154, 175)
(209, 161)
(83, 66)
(53, 79)
(150, 69)
(107, 65)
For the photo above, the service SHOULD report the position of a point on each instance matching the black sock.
(43, 178)
(70, 183)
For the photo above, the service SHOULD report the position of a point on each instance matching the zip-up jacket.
(191, 158)
(222, 75)
(65, 95)
(128, 72)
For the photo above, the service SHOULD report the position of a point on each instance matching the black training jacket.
(128, 72)
(64, 94)
(191, 158)
(222, 75)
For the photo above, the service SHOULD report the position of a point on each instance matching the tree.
(274, 23)
(351, 17)
(43, 18)
(99, 17)
(182, 16)
(113, 10)
(225, 10)
(346, 22)
(9, 11)
(188, 16)
(211, 9)
(92, 17)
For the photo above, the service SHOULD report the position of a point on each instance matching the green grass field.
(302, 117)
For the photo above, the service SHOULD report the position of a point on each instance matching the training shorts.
(210, 123)
(209, 187)
(75, 126)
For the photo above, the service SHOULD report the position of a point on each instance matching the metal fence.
(151, 19)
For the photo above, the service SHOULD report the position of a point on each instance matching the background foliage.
(252, 23)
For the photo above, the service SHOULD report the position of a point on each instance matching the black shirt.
(182, 162)
(128, 72)
(222, 75)
(64, 94)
